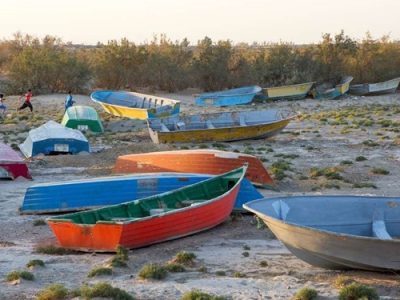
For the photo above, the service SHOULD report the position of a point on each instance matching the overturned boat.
(242, 95)
(83, 118)
(11, 164)
(336, 232)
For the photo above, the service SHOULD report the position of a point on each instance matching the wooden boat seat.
(379, 227)
(157, 211)
(124, 219)
(242, 121)
(186, 203)
(210, 125)
(164, 128)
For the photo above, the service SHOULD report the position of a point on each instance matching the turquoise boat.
(328, 91)
(230, 97)
(86, 194)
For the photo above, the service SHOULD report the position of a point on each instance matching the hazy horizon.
(300, 22)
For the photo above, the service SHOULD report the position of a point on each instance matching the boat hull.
(290, 92)
(335, 249)
(93, 193)
(195, 161)
(228, 134)
(380, 88)
(82, 118)
(228, 98)
(11, 164)
(336, 92)
(107, 236)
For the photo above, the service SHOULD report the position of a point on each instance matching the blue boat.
(93, 193)
(53, 138)
(328, 91)
(230, 97)
(336, 232)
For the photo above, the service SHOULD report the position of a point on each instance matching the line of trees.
(51, 65)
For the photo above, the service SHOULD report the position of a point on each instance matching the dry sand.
(317, 144)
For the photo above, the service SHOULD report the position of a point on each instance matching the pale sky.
(298, 21)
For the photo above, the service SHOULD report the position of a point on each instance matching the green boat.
(83, 118)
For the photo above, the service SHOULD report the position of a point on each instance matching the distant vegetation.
(51, 65)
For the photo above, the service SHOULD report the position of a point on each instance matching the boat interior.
(377, 217)
(184, 197)
(214, 121)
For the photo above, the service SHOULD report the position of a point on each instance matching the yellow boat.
(135, 105)
(222, 127)
(295, 91)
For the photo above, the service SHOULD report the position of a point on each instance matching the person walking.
(27, 102)
(3, 107)
(69, 101)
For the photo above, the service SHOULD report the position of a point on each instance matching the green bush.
(103, 290)
(153, 271)
(98, 271)
(34, 263)
(53, 292)
(199, 295)
(15, 275)
(306, 293)
(357, 291)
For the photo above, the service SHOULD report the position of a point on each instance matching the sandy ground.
(326, 134)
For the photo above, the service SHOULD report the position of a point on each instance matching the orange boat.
(151, 220)
(194, 161)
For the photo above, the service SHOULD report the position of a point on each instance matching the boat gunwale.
(278, 222)
(178, 210)
(290, 85)
(213, 96)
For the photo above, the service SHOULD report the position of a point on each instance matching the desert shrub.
(153, 271)
(103, 290)
(98, 271)
(174, 267)
(358, 291)
(184, 258)
(199, 295)
(15, 275)
(34, 263)
(53, 292)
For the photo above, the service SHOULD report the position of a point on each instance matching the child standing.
(27, 102)
(3, 107)
(69, 101)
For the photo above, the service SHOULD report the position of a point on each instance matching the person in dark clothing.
(27, 102)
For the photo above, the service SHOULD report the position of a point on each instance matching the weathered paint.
(296, 91)
(11, 164)
(336, 232)
(82, 118)
(230, 97)
(195, 161)
(135, 105)
(131, 225)
(333, 93)
(52, 137)
(379, 88)
(222, 127)
(68, 196)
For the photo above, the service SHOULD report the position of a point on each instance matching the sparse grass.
(202, 269)
(357, 291)
(329, 173)
(98, 271)
(380, 171)
(53, 292)
(120, 258)
(239, 275)
(35, 262)
(54, 250)
(286, 156)
(306, 293)
(279, 167)
(263, 263)
(342, 281)
(15, 275)
(104, 290)
(346, 162)
(175, 268)
(219, 145)
(184, 258)
(199, 295)
(220, 273)
(246, 254)
(39, 222)
(361, 158)
(370, 143)
(153, 271)
(362, 185)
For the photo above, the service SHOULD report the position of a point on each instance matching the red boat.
(194, 161)
(150, 220)
(11, 164)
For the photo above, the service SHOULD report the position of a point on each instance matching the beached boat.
(68, 196)
(230, 97)
(295, 91)
(379, 88)
(336, 232)
(151, 220)
(53, 138)
(328, 91)
(83, 118)
(200, 161)
(135, 105)
(218, 127)
(11, 164)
